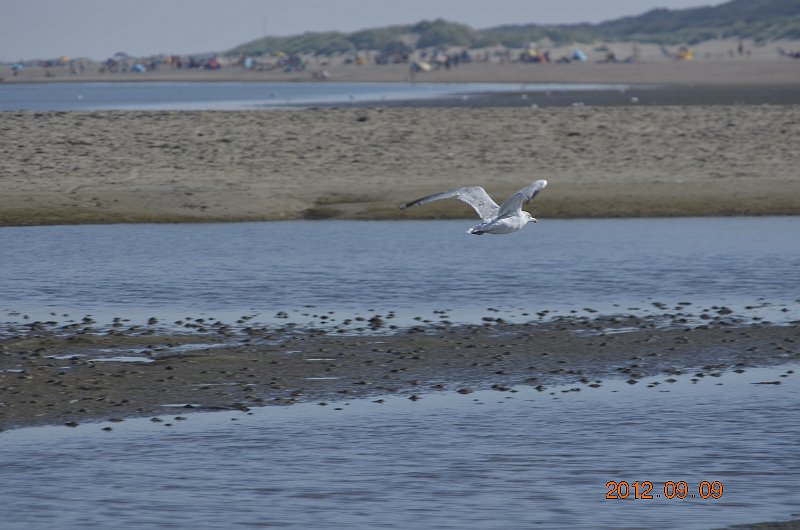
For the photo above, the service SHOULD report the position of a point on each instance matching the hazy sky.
(98, 28)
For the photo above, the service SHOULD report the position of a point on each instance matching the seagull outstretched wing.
(475, 196)
(513, 204)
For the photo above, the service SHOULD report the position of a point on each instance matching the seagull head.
(529, 218)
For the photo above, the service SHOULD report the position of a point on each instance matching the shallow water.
(242, 96)
(307, 268)
(485, 460)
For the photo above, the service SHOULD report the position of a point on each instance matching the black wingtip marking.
(409, 204)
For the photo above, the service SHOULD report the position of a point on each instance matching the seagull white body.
(504, 219)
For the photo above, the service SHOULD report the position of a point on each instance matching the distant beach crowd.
(419, 61)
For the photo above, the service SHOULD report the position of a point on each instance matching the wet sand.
(785, 525)
(67, 373)
(361, 163)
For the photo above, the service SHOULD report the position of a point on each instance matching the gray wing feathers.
(475, 196)
(514, 203)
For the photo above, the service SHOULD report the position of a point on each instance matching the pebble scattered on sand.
(49, 369)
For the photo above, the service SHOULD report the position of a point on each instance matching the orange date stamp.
(671, 490)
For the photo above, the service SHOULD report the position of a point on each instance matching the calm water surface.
(411, 267)
(484, 460)
(488, 460)
(239, 96)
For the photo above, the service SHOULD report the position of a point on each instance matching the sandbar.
(69, 373)
(362, 163)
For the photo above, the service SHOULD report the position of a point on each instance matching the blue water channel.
(412, 268)
(242, 96)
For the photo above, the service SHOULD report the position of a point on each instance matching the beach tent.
(139, 68)
(421, 66)
(578, 55)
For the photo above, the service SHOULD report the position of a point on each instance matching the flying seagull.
(503, 219)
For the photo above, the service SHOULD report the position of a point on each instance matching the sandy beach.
(712, 136)
(362, 163)
(716, 63)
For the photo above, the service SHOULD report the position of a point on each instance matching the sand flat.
(361, 163)
(50, 375)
